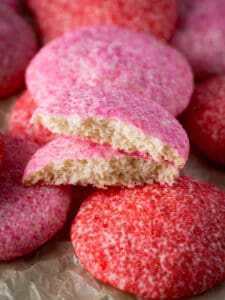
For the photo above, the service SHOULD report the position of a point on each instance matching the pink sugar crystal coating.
(200, 35)
(13, 4)
(155, 241)
(69, 148)
(148, 117)
(153, 16)
(19, 122)
(18, 45)
(29, 216)
(114, 57)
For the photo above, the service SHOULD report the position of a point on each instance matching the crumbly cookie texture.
(155, 241)
(118, 118)
(68, 160)
(114, 57)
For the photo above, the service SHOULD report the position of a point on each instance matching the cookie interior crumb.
(118, 134)
(128, 171)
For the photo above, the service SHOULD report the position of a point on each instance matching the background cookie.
(29, 215)
(204, 119)
(112, 57)
(116, 117)
(200, 35)
(18, 45)
(69, 160)
(19, 122)
(1, 149)
(13, 4)
(154, 241)
(156, 17)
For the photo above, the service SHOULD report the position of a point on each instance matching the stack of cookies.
(100, 110)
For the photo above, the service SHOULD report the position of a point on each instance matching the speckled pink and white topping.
(114, 57)
(204, 119)
(200, 35)
(19, 122)
(69, 148)
(156, 17)
(111, 104)
(18, 45)
(29, 216)
(155, 241)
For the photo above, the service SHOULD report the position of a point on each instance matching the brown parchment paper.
(53, 271)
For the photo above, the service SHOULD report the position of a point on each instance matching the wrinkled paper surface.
(53, 271)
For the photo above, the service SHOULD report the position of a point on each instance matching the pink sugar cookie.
(13, 4)
(29, 216)
(204, 119)
(200, 35)
(19, 122)
(156, 17)
(69, 160)
(1, 149)
(116, 117)
(18, 45)
(154, 241)
(113, 57)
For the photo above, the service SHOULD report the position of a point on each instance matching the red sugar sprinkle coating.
(155, 241)
(28, 216)
(18, 45)
(152, 16)
(19, 122)
(204, 119)
(1, 149)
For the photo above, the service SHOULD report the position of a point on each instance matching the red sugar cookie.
(18, 45)
(156, 17)
(204, 119)
(29, 216)
(154, 241)
(19, 122)
(111, 56)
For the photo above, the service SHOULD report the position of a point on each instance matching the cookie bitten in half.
(71, 160)
(118, 118)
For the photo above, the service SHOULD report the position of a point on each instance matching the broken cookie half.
(71, 160)
(118, 118)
